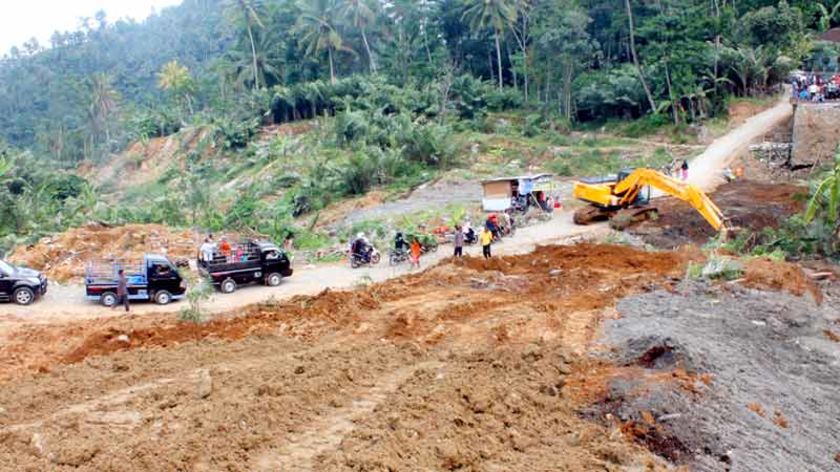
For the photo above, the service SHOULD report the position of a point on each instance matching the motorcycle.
(398, 257)
(358, 260)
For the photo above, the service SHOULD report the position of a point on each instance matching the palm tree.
(826, 15)
(176, 79)
(361, 13)
(495, 13)
(269, 58)
(316, 26)
(635, 56)
(249, 11)
(103, 103)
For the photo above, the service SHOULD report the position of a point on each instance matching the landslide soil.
(461, 367)
(749, 205)
(63, 257)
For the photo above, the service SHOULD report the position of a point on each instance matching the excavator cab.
(643, 195)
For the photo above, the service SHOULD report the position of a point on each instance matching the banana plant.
(825, 200)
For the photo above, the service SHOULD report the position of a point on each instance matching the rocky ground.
(758, 374)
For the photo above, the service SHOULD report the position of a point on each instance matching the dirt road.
(66, 302)
(705, 169)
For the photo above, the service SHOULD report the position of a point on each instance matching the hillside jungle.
(254, 115)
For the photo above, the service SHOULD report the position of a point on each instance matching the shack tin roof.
(518, 177)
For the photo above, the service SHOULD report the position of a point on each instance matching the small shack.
(501, 192)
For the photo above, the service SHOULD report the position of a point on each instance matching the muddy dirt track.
(461, 367)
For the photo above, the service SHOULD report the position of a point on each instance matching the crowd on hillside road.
(814, 88)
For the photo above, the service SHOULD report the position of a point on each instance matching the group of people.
(813, 88)
(210, 251)
(492, 231)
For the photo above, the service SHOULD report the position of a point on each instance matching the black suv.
(20, 285)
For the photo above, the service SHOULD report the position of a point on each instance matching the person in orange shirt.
(415, 252)
(224, 249)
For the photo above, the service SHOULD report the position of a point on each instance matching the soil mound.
(765, 274)
(555, 292)
(749, 205)
(63, 257)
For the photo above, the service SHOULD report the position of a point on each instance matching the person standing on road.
(459, 241)
(684, 170)
(122, 290)
(486, 240)
(415, 252)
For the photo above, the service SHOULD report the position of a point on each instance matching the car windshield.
(6, 268)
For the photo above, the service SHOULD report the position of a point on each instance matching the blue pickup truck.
(154, 279)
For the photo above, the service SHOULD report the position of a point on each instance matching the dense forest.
(398, 76)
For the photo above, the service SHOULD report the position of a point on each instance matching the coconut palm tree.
(316, 27)
(361, 14)
(495, 13)
(103, 103)
(248, 10)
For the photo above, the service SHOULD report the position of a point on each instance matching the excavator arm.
(629, 187)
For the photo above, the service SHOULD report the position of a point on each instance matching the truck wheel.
(24, 296)
(228, 286)
(108, 299)
(163, 297)
(273, 279)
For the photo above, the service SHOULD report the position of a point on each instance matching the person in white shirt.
(207, 250)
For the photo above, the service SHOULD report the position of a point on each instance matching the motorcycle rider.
(400, 244)
(361, 248)
(469, 233)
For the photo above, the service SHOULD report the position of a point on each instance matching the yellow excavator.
(625, 198)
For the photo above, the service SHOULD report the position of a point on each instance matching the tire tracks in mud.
(300, 450)
(110, 403)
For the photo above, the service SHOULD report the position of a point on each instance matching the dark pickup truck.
(251, 262)
(153, 279)
(20, 285)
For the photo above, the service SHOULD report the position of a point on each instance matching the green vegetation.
(816, 231)
(200, 290)
(372, 94)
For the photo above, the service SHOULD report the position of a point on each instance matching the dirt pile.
(749, 205)
(469, 300)
(63, 257)
(462, 366)
(762, 378)
(765, 274)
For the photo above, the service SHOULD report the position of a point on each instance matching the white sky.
(23, 19)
